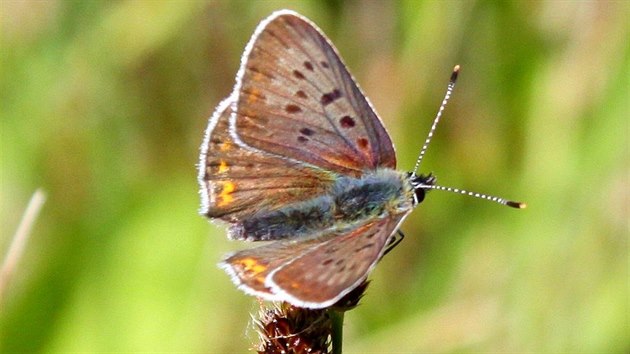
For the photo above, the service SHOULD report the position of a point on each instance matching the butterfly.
(297, 156)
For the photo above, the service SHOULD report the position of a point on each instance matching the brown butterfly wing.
(322, 275)
(237, 182)
(250, 268)
(315, 272)
(295, 98)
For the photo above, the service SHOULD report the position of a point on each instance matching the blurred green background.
(104, 104)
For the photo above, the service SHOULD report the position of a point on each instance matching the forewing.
(237, 182)
(322, 275)
(295, 98)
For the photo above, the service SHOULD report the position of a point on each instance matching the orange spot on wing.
(223, 166)
(252, 265)
(225, 146)
(225, 197)
(253, 95)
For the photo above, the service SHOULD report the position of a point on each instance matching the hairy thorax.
(348, 203)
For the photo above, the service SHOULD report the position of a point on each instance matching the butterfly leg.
(393, 242)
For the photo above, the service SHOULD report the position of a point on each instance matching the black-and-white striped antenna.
(510, 203)
(427, 141)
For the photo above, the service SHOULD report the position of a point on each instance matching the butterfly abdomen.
(351, 201)
(292, 221)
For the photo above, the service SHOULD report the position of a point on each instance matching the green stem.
(337, 330)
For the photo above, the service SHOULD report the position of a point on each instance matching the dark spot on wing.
(327, 262)
(308, 65)
(302, 139)
(291, 108)
(347, 122)
(363, 143)
(307, 131)
(298, 74)
(300, 94)
(330, 97)
(324, 64)
(366, 246)
(213, 163)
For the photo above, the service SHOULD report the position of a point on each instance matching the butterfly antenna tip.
(455, 73)
(517, 205)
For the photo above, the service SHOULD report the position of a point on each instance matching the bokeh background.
(104, 103)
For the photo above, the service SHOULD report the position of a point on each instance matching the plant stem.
(337, 330)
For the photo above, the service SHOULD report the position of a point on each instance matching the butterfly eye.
(419, 195)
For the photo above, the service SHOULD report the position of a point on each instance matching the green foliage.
(103, 105)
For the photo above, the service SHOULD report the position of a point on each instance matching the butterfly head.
(421, 185)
